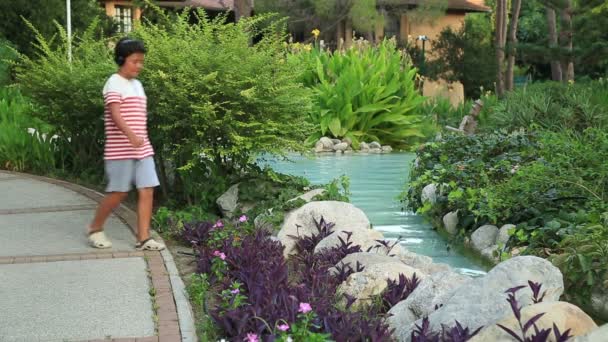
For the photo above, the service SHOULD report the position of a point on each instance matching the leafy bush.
(217, 101)
(20, 149)
(365, 94)
(7, 57)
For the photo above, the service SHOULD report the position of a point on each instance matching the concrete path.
(55, 288)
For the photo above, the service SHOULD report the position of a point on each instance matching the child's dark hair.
(126, 47)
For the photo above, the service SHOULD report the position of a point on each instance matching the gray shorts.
(122, 174)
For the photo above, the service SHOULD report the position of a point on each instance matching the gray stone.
(450, 222)
(482, 301)
(374, 150)
(429, 194)
(228, 201)
(375, 144)
(400, 318)
(364, 259)
(564, 315)
(340, 147)
(503, 234)
(348, 141)
(363, 238)
(327, 143)
(492, 253)
(309, 195)
(319, 147)
(387, 149)
(599, 303)
(597, 335)
(372, 280)
(363, 146)
(435, 290)
(336, 141)
(484, 237)
(339, 151)
(301, 222)
(75, 300)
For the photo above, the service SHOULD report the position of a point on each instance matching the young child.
(128, 152)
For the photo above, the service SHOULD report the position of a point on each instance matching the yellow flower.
(570, 82)
(316, 33)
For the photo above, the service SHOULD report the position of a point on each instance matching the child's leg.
(144, 213)
(109, 203)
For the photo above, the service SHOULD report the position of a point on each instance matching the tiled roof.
(218, 5)
(463, 5)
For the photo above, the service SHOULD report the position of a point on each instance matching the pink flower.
(216, 253)
(283, 327)
(243, 218)
(219, 255)
(235, 291)
(304, 308)
(218, 224)
(251, 337)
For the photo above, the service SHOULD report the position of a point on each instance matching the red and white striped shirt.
(130, 94)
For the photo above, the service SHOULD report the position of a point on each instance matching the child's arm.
(135, 140)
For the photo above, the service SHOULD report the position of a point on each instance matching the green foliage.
(336, 190)
(21, 150)
(7, 58)
(553, 106)
(199, 291)
(68, 95)
(366, 94)
(466, 55)
(172, 222)
(302, 330)
(217, 101)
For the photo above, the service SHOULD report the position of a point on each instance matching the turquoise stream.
(376, 180)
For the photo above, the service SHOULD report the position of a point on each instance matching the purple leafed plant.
(457, 333)
(386, 244)
(398, 290)
(423, 333)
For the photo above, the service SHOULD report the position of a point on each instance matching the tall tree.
(556, 67)
(499, 44)
(243, 9)
(512, 41)
(566, 41)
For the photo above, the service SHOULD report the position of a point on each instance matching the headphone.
(120, 60)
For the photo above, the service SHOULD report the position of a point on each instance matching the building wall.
(431, 30)
(110, 6)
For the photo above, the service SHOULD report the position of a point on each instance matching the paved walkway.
(54, 287)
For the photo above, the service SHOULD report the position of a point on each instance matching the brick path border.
(168, 321)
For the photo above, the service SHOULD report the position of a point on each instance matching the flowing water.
(376, 180)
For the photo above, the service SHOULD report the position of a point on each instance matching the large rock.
(482, 301)
(319, 147)
(336, 141)
(340, 147)
(309, 195)
(429, 194)
(327, 143)
(228, 202)
(503, 234)
(364, 259)
(301, 222)
(484, 237)
(387, 149)
(373, 280)
(363, 146)
(363, 238)
(432, 292)
(375, 145)
(450, 222)
(421, 262)
(492, 253)
(564, 315)
(597, 335)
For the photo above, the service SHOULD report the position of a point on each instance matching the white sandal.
(149, 245)
(98, 239)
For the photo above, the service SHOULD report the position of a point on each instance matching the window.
(124, 18)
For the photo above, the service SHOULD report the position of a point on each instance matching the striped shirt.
(132, 99)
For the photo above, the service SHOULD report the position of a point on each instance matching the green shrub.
(20, 149)
(217, 101)
(366, 94)
(7, 57)
(68, 95)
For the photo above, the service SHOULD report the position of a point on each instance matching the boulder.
(564, 315)
(373, 280)
(435, 290)
(336, 141)
(482, 301)
(597, 335)
(386, 149)
(491, 253)
(328, 144)
(364, 259)
(228, 202)
(484, 237)
(301, 222)
(319, 147)
(450, 222)
(400, 317)
(375, 145)
(503, 234)
(364, 238)
(375, 150)
(363, 146)
(340, 147)
(421, 262)
(429, 194)
(348, 141)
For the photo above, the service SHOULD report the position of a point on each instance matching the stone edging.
(175, 318)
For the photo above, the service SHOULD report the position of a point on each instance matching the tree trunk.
(340, 36)
(348, 33)
(566, 38)
(556, 67)
(243, 9)
(512, 41)
(501, 10)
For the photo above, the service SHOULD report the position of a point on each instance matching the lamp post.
(69, 24)
(422, 38)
